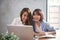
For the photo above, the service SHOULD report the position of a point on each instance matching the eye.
(25, 15)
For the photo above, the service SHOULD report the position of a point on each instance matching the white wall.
(10, 9)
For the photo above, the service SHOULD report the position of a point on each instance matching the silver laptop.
(23, 32)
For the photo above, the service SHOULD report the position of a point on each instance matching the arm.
(50, 30)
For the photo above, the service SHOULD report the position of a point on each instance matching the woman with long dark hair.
(25, 18)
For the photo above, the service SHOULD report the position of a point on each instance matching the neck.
(38, 23)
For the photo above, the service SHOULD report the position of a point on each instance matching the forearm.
(53, 33)
(39, 34)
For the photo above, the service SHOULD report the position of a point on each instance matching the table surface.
(48, 38)
(56, 38)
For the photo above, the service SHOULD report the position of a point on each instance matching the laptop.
(24, 32)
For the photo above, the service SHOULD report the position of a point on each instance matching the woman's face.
(24, 16)
(36, 17)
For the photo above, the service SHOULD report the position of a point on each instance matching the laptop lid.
(23, 32)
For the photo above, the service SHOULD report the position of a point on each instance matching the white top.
(17, 21)
(39, 29)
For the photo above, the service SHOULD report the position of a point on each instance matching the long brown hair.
(29, 18)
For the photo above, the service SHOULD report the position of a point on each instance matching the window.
(53, 12)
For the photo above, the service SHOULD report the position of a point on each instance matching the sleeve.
(16, 21)
(50, 28)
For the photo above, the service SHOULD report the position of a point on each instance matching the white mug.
(57, 34)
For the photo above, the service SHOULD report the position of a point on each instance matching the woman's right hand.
(42, 33)
(39, 34)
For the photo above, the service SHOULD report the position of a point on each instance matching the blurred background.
(10, 9)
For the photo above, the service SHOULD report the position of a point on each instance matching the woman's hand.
(40, 33)
(53, 33)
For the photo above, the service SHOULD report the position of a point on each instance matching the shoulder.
(16, 21)
(17, 18)
(45, 23)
